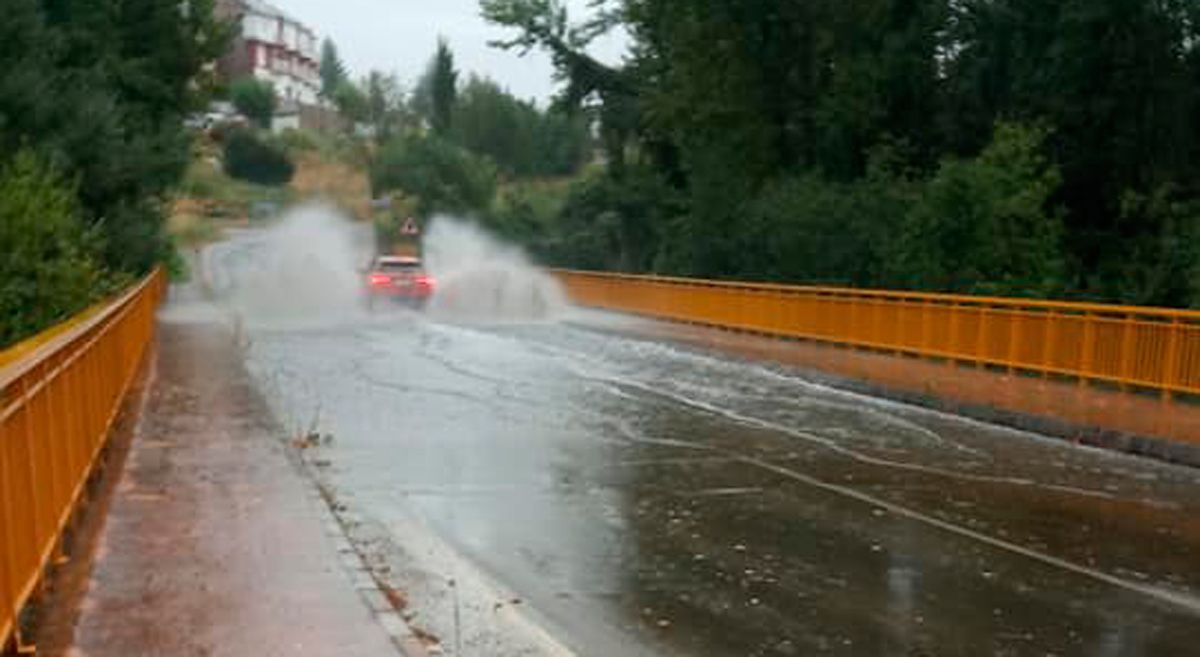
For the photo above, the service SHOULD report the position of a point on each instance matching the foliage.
(611, 223)
(98, 90)
(350, 101)
(764, 118)
(384, 108)
(255, 99)
(254, 159)
(209, 183)
(521, 139)
(441, 176)
(331, 69)
(51, 269)
(984, 225)
(437, 90)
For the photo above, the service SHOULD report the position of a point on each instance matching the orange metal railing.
(1151, 348)
(59, 395)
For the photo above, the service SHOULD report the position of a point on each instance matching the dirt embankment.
(342, 183)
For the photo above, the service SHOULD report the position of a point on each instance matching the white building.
(275, 48)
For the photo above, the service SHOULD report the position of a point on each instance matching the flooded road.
(568, 487)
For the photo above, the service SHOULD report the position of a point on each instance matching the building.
(272, 47)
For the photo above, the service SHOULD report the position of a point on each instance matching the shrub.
(441, 176)
(986, 225)
(248, 157)
(50, 267)
(256, 100)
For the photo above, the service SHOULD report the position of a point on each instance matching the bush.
(441, 176)
(986, 225)
(250, 158)
(615, 223)
(299, 141)
(810, 230)
(50, 267)
(256, 100)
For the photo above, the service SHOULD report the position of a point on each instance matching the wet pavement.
(214, 543)
(569, 487)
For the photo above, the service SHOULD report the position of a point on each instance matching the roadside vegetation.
(1012, 147)
(1023, 147)
(92, 99)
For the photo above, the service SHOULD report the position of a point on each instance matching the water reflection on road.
(630, 496)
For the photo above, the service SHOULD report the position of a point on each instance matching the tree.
(441, 176)
(51, 267)
(99, 89)
(332, 70)
(546, 24)
(254, 159)
(255, 99)
(988, 225)
(521, 139)
(350, 101)
(437, 90)
(385, 109)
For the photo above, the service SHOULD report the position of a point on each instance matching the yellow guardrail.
(60, 393)
(1150, 348)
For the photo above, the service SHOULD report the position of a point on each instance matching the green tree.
(100, 90)
(331, 69)
(521, 139)
(255, 99)
(258, 160)
(437, 90)
(441, 176)
(51, 267)
(384, 106)
(351, 102)
(988, 225)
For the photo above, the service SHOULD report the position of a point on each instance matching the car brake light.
(425, 281)
(379, 280)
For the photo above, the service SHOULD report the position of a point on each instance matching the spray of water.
(307, 270)
(303, 269)
(481, 279)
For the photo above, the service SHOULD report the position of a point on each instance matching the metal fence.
(60, 393)
(1149, 348)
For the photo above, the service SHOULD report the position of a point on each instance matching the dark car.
(401, 279)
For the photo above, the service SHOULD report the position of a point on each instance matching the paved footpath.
(216, 544)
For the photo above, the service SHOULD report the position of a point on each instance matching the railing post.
(1089, 345)
(1126, 352)
(1014, 337)
(1052, 319)
(981, 337)
(8, 567)
(954, 347)
(926, 327)
(1172, 366)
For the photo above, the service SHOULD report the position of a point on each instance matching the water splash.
(481, 279)
(304, 269)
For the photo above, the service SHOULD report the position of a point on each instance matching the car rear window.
(393, 267)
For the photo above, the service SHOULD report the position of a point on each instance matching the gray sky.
(401, 35)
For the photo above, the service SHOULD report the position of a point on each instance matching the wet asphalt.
(570, 487)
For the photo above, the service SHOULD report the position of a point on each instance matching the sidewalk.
(215, 543)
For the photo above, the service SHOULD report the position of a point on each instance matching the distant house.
(272, 47)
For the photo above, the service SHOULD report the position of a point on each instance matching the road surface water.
(564, 486)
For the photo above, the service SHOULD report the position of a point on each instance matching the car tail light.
(379, 280)
(425, 281)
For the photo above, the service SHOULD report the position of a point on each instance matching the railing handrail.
(22, 365)
(62, 391)
(1070, 307)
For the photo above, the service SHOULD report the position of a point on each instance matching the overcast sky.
(401, 35)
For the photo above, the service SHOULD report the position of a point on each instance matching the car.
(400, 279)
